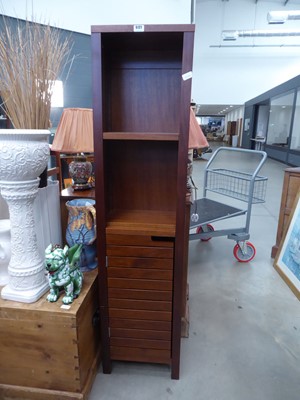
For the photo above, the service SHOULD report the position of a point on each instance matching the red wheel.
(209, 227)
(244, 251)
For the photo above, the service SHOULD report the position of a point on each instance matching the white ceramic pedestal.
(23, 157)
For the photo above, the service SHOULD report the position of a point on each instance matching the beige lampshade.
(74, 133)
(197, 140)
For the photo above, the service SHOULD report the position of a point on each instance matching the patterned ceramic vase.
(5, 250)
(81, 229)
(80, 171)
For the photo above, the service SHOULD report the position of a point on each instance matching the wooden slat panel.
(140, 304)
(140, 324)
(141, 343)
(139, 294)
(139, 284)
(140, 355)
(140, 314)
(137, 251)
(127, 227)
(139, 240)
(139, 262)
(140, 334)
(140, 273)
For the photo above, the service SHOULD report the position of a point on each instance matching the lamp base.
(80, 171)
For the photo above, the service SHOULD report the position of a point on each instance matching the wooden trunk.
(49, 352)
(291, 185)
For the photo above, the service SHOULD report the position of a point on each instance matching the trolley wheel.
(244, 252)
(210, 228)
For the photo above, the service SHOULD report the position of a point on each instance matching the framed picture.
(287, 262)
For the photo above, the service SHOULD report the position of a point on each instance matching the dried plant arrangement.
(32, 55)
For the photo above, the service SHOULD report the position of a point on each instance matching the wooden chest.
(291, 185)
(48, 352)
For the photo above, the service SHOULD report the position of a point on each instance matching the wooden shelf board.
(159, 136)
(69, 192)
(142, 221)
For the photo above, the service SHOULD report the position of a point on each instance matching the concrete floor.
(244, 339)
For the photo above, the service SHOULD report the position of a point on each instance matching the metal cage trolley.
(245, 187)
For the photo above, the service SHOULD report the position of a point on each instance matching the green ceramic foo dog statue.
(64, 273)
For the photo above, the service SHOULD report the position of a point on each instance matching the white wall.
(79, 15)
(220, 75)
(235, 114)
(235, 75)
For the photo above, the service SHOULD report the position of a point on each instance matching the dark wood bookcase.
(141, 94)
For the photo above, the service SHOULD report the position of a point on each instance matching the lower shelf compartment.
(140, 298)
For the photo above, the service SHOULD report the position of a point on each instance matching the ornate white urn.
(24, 155)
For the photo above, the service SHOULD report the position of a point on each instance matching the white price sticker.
(65, 307)
(138, 28)
(187, 75)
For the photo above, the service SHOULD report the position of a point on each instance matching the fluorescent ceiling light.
(230, 35)
(234, 35)
(279, 17)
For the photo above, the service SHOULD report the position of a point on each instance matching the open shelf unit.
(141, 94)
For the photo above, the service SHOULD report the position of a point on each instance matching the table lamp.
(74, 135)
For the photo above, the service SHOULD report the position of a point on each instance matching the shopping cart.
(241, 183)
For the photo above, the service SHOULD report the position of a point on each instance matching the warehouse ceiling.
(223, 109)
(211, 110)
(281, 2)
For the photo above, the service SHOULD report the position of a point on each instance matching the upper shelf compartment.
(141, 77)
